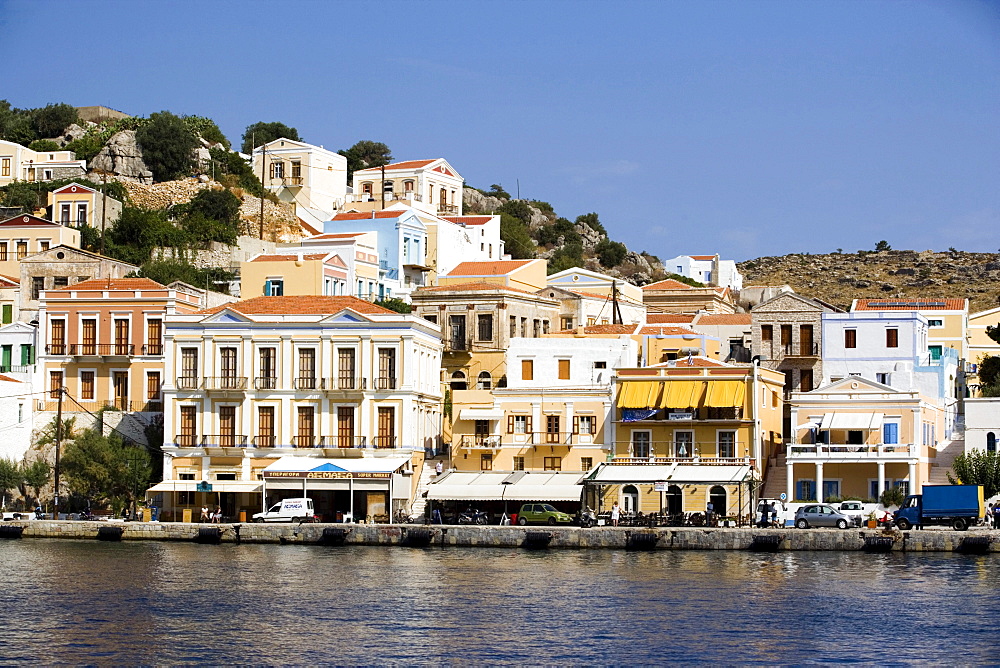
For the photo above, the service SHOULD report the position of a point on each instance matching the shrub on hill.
(516, 237)
(168, 271)
(167, 144)
(260, 133)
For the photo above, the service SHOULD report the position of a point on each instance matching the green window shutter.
(8, 313)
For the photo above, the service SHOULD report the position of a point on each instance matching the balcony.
(344, 384)
(703, 461)
(56, 349)
(385, 383)
(383, 442)
(102, 350)
(152, 349)
(93, 406)
(267, 441)
(309, 441)
(347, 442)
(447, 209)
(681, 451)
(803, 349)
(188, 383)
(224, 441)
(187, 440)
(725, 413)
(843, 452)
(481, 441)
(292, 180)
(458, 343)
(265, 383)
(307, 383)
(225, 384)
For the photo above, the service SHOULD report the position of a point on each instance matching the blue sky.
(745, 128)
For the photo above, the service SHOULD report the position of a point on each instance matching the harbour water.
(150, 602)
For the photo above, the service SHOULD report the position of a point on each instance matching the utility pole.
(55, 504)
(383, 186)
(104, 206)
(616, 311)
(263, 159)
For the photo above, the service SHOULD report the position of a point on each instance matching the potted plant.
(872, 522)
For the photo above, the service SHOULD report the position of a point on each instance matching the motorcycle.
(588, 518)
(472, 516)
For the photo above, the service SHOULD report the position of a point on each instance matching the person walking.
(996, 515)
(615, 514)
(709, 513)
(438, 468)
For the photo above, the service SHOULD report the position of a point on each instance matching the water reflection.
(73, 602)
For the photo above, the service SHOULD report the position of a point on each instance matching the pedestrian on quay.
(439, 468)
(996, 515)
(774, 513)
(709, 512)
(615, 514)
(204, 515)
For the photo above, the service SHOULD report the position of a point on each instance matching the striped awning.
(678, 393)
(862, 421)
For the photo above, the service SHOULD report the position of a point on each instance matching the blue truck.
(957, 506)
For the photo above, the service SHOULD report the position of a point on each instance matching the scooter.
(588, 518)
(472, 516)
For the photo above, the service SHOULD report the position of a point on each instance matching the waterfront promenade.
(411, 535)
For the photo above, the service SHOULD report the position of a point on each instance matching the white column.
(881, 478)
(790, 480)
(914, 487)
(819, 482)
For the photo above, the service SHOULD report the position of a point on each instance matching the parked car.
(541, 513)
(288, 510)
(822, 515)
(854, 509)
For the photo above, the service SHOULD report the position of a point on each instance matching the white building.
(982, 423)
(587, 298)
(16, 418)
(432, 186)
(707, 269)
(311, 177)
(18, 163)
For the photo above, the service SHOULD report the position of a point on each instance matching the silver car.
(821, 515)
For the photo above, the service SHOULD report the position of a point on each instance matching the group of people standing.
(994, 515)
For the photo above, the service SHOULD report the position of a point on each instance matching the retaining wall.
(516, 537)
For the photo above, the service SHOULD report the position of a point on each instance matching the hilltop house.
(707, 269)
(311, 177)
(432, 186)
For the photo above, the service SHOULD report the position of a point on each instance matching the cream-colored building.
(25, 235)
(59, 267)
(77, 205)
(274, 397)
(979, 343)
(672, 296)
(590, 298)
(432, 186)
(276, 275)
(311, 177)
(18, 163)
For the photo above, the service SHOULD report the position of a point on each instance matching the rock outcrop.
(122, 157)
(474, 201)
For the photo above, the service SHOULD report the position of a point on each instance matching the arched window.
(485, 381)
(991, 442)
(387, 186)
(458, 381)
(366, 188)
(408, 186)
(675, 500)
(717, 497)
(630, 499)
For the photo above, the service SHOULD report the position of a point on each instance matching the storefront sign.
(330, 475)
(680, 416)
(660, 486)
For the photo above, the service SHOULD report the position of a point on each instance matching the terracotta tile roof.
(114, 284)
(657, 330)
(693, 362)
(469, 220)
(292, 305)
(668, 284)
(8, 379)
(669, 318)
(473, 287)
(361, 215)
(10, 279)
(724, 319)
(702, 257)
(496, 268)
(606, 329)
(288, 258)
(946, 304)
(341, 235)
(406, 164)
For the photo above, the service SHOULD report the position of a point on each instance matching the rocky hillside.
(838, 278)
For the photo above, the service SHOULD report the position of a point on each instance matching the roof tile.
(495, 268)
(926, 304)
(370, 215)
(669, 318)
(300, 305)
(406, 164)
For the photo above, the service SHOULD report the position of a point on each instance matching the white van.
(288, 510)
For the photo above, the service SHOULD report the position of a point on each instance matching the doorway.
(675, 500)
(718, 498)
(630, 499)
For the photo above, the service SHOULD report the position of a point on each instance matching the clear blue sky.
(746, 128)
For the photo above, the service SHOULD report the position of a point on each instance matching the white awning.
(217, 486)
(359, 465)
(621, 474)
(517, 486)
(852, 421)
(480, 414)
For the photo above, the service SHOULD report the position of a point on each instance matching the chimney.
(580, 331)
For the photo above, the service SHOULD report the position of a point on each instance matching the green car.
(541, 513)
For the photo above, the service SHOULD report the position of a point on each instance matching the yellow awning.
(640, 394)
(683, 394)
(725, 394)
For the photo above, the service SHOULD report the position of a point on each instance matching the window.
(586, 463)
(386, 368)
(519, 424)
(87, 385)
(386, 427)
(524, 327)
(485, 381)
(486, 461)
(345, 368)
(122, 337)
(563, 369)
(806, 380)
(600, 365)
(89, 336)
(458, 381)
(3, 251)
(766, 333)
(345, 426)
(64, 213)
(935, 323)
(484, 326)
(527, 370)
(227, 357)
(786, 338)
(81, 214)
(37, 285)
(119, 382)
(189, 417)
(456, 326)
(513, 326)
(850, 338)
(154, 336)
(43, 245)
(566, 323)
(55, 383)
(27, 354)
(5, 167)
(890, 433)
(551, 428)
(935, 352)
(684, 443)
(805, 490)
(305, 427)
(189, 369)
(640, 444)
(431, 317)
(227, 426)
(274, 287)
(553, 463)
(536, 328)
(307, 369)
(277, 170)
(727, 444)
(991, 442)
(518, 463)
(545, 326)
(583, 424)
(152, 385)
(892, 338)
(265, 427)
(883, 378)
(22, 249)
(58, 337)
(296, 169)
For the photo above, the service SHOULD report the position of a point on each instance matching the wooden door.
(386, 427)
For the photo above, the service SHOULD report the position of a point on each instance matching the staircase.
(420, 499)
(776, 478)
(946, 454)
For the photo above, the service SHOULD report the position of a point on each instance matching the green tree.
(10, 477)
(242, 174)
(517, 208)
(516, 237)
(36, 475)
(25, 195)
(87, 146)
(989, 370)
(206, 129)
(138, 231)
(105, 469)
(52, 119)
(15, 124)
(167, 145)
(364, 154)
(394, 304)
(977, 467)
(892, 496)
(166, 272)
(610, 253)
(260, 133)
(202, 230)
(496, 190)
(592, 221)
(550, 234)
(42, 145)
(567, 257)
(882, 246)
(220, 205)
(993, 332)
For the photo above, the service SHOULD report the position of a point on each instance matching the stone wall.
(219, 255)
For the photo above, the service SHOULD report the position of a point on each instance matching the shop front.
(499, 493)
(182, 500)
